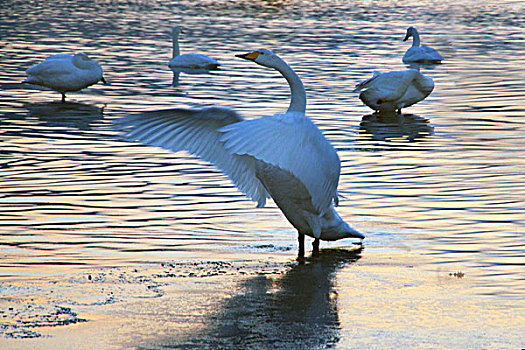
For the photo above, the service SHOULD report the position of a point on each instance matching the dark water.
(446, 182)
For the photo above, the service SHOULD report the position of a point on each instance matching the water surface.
(446, 182)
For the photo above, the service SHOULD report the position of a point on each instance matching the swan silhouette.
(296, 310)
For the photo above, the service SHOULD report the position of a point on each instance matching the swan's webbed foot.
(315, 247)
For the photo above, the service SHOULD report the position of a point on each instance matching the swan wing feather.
(421, 54)
(192, 60)
(196, 131)
(391, 86)
(60, 64)
(292, 142)
(364, 84)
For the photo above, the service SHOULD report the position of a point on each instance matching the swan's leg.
(315, 246)
(63, 97)
(300, 255)
(175, 81)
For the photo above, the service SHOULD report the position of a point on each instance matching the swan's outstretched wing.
(292, 142)
(196, 131)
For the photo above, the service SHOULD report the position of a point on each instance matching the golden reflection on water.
(420, 308)
(445, 181)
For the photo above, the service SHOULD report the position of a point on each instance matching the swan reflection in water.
(69, 114)
(296, 311)
(393, 126)
(196, 71)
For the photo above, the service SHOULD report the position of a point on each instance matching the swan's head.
(82, 61)
(175, 31)
(263, 57)
(411, 31)
(82, 56)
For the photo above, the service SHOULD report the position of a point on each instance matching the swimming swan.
(284, 156)
(417, 53)
(391, 91)
(65, 73)
(189, 60)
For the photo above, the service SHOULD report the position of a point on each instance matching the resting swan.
(391, 91)
(284, 156)
(417, 53)
(65, 73)
(189, 60)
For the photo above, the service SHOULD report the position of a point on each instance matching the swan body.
(391, 91)
(65, 73)
(420, 53)
(283, 156)
(189, 60)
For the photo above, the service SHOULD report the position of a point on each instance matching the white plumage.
(391, 91)
(420, 53)
(189, 60)
(65, 73)
(293, 143)
(284, 156)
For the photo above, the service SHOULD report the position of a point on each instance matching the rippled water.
(446, 182)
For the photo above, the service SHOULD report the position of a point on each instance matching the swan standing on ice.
(391, 91)
(65, 73)
(189, 60)
(420, 53)
(284, 156)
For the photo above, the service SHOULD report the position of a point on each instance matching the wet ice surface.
(438, 191)
(27, 306)
(340, 299)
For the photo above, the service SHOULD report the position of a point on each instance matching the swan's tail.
(367, 82)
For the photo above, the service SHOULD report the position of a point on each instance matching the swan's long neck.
(415, 35)
(298, 102)
(176, 49)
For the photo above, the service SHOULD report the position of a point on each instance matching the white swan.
(391, 91)
(65, 73)
(284, 156)
(189, 60)
(420, 53)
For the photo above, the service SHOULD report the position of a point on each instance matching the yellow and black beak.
(252, 56)
(182, 31)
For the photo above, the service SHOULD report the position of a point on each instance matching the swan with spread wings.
(282, 156)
